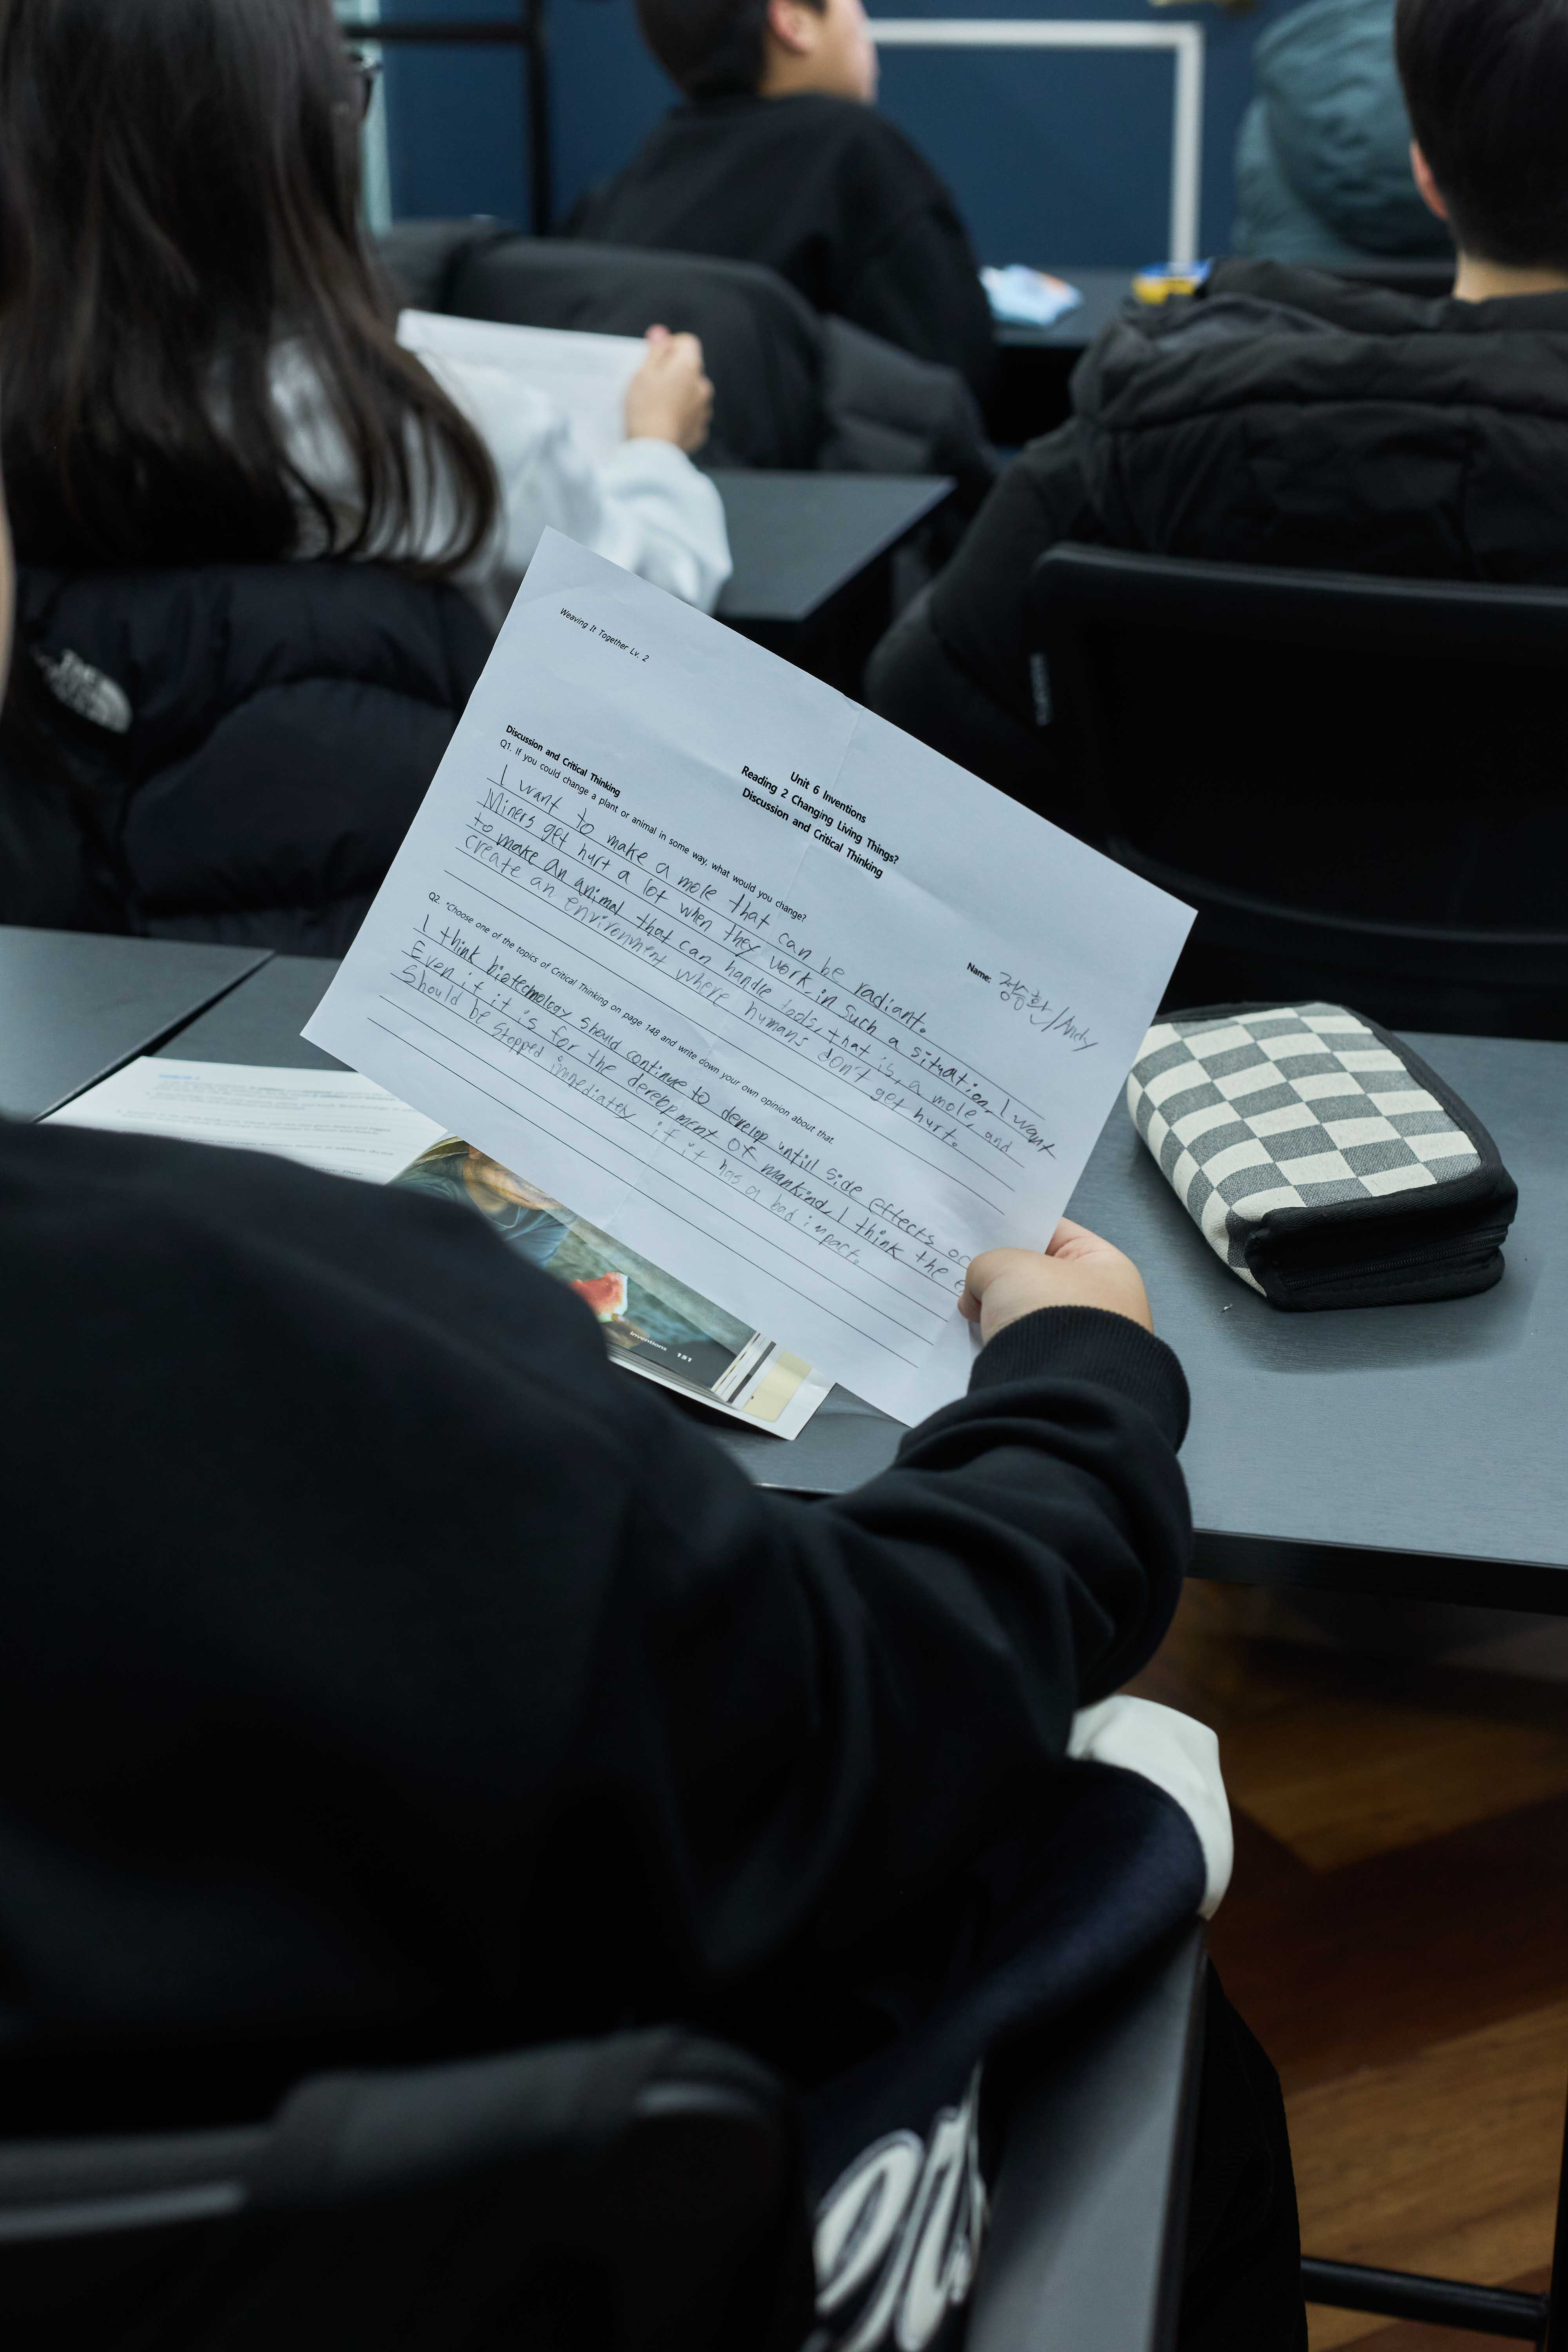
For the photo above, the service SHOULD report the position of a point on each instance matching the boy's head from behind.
(764, 48)
(1486, 82)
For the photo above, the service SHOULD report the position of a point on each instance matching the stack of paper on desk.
(652, 1322)
(786, 1003)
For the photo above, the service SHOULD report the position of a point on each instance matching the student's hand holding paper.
(670, 398)
(1077, 1270)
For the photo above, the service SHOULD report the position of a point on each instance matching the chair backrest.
(762, 343)
(641, 2194)
(793, 392)
(1360, 782)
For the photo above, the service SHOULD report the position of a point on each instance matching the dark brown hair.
(1486, 82)
(710, 49)
(183, 193)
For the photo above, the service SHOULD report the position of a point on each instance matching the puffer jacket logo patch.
(89, 692)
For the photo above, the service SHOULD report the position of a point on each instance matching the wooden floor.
(1397, 1933)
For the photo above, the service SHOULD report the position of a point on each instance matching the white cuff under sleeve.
(1180, 1756)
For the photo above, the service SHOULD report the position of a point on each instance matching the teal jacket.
(1322, 163)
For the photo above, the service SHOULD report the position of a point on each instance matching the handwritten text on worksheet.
(644, 991)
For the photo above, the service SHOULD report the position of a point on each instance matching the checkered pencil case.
(1321, 1158)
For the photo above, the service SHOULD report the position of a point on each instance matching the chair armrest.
(1089, 2216)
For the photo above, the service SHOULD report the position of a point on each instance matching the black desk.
(1415, 1451)
(813, 577)
(1031, 395)
(75, 1005)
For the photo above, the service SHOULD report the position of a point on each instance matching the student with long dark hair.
(264, 548)
(210, 370)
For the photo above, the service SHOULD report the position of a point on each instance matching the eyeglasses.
(364, 73)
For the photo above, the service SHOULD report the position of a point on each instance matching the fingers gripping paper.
(772, 992)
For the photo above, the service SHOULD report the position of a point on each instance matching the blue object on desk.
(1021, 297)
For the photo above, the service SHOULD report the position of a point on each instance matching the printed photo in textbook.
(652, 1323)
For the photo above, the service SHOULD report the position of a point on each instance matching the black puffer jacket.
(228, 753)
(1286, 416)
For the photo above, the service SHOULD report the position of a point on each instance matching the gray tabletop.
(1103, 290)
(261, 1022)
(1415, 1450)
(797, 539)
(75, 1005)
(1401, 1450)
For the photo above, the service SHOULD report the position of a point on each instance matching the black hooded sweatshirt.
(829, 194)
(1282, 416)
(382, 1674)
(385, 1676)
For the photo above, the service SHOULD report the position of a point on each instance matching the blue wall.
(1055, 157)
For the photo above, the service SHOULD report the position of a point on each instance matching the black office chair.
(793, 392)
(762, 345)
(1361, 783)
(641, 2194)
(1087, 2230)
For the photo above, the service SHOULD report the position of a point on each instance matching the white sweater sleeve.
(1180, 1756)
(646, 507)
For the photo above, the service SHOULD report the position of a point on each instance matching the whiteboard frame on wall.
(1185, 41)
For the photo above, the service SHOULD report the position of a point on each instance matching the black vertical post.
(536, 117)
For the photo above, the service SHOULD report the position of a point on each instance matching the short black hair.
(710, 49)
(1486, 82)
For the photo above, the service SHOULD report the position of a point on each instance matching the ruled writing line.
(769, 1006)
(668, 1143)
(766, 1239)
(529, 813)
(682, 1007)
(681, 1151)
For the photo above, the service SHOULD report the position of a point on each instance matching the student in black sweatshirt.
(780, 156)
(385, 1676)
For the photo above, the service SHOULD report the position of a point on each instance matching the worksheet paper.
(586, 375)
(333, 1119)
(766, 989)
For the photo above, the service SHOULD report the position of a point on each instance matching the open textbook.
(780, 997)
(337, 1120)
(652, 1323)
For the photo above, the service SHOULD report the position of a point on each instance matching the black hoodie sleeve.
(372, 1650)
